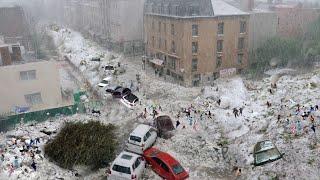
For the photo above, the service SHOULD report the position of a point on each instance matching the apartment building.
(117, 24)
(193, 42)
(30, 86)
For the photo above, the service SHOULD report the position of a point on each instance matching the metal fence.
(10, 122)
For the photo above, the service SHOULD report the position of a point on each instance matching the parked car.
(265, 152)
(127, 166)
(164, 126)
(165, 165)
(109, 69)
(105, 82)
(96, 59)
(141, 138)
(129, 100)
(120, 91)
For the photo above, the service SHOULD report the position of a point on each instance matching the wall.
(13, 89)
(293, 21)
(262, 25)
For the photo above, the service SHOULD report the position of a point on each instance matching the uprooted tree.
(91, 144)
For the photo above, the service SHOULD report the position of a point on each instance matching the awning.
(158, 62)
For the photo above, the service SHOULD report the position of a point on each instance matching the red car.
(165, 165)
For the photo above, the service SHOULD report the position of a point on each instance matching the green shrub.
(91, 144)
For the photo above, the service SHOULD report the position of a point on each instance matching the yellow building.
(32, 85)
(195, 41)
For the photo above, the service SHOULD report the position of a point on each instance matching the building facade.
(195, 41)
(294, 20)
(14, 27)
(117, 24)
(33, 86)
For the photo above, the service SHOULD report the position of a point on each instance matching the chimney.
(247, 5)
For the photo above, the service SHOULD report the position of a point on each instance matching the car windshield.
(268, 155)
(135, 138)
(177, 169)
(109, 68)
(104, 82)
(131, 98)
(121, 169)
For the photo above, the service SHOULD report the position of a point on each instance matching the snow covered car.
(119, 92)
(127, 166)
(105, 82)
(265, 152)
(164, 126)
(141, 138)
(129, 100)
(109, 69)
(165, 165)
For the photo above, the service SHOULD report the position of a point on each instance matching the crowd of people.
(20, 153)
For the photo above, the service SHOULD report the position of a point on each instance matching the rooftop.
(140, 130)
(191, 8)
(125, 158)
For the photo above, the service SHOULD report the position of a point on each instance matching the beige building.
(193, 42)
(33, 85)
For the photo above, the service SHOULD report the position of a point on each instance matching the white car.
(109, 69)
(129, 100)
(127, 166)
(105, 82)
(141, 138)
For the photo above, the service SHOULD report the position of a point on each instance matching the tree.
(91, 144)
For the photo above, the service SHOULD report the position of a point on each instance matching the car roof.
(165, 157)
(107, 78)
(264, 145)
(140, 130)
(123, 159)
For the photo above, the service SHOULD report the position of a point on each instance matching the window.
(194, 30)
(165, 44)
(159, 43)
(172, 63)
(173, 47)
(219, 45)
(220, 28)
(194, 11)
(177, 11)
(33, 99)
(152, 24)
(177, 169)
(241, 43)
(135, 138)
(136, 164)
(194, 65)
(243, 27)
(121, 169)
(165, 28)
(172, 29)
(152, 41)
(159, 27)
(240, 58)
(161, 164)
(148, 134)
(219, 61)
(28, 75)
(194, 47)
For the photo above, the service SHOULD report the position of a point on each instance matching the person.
(209, 114)
(177, 124)
(33, 165)
(270, 91)
(313, 128)
(312, 119)
(37, 140)
(238, 171)
(268, 104)
(160, 108)
(279, 117)
(316, 107)
(235, 112)
(16, 162)
(219, 102)
(118, 64)
(11, 169)
(240, 110)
